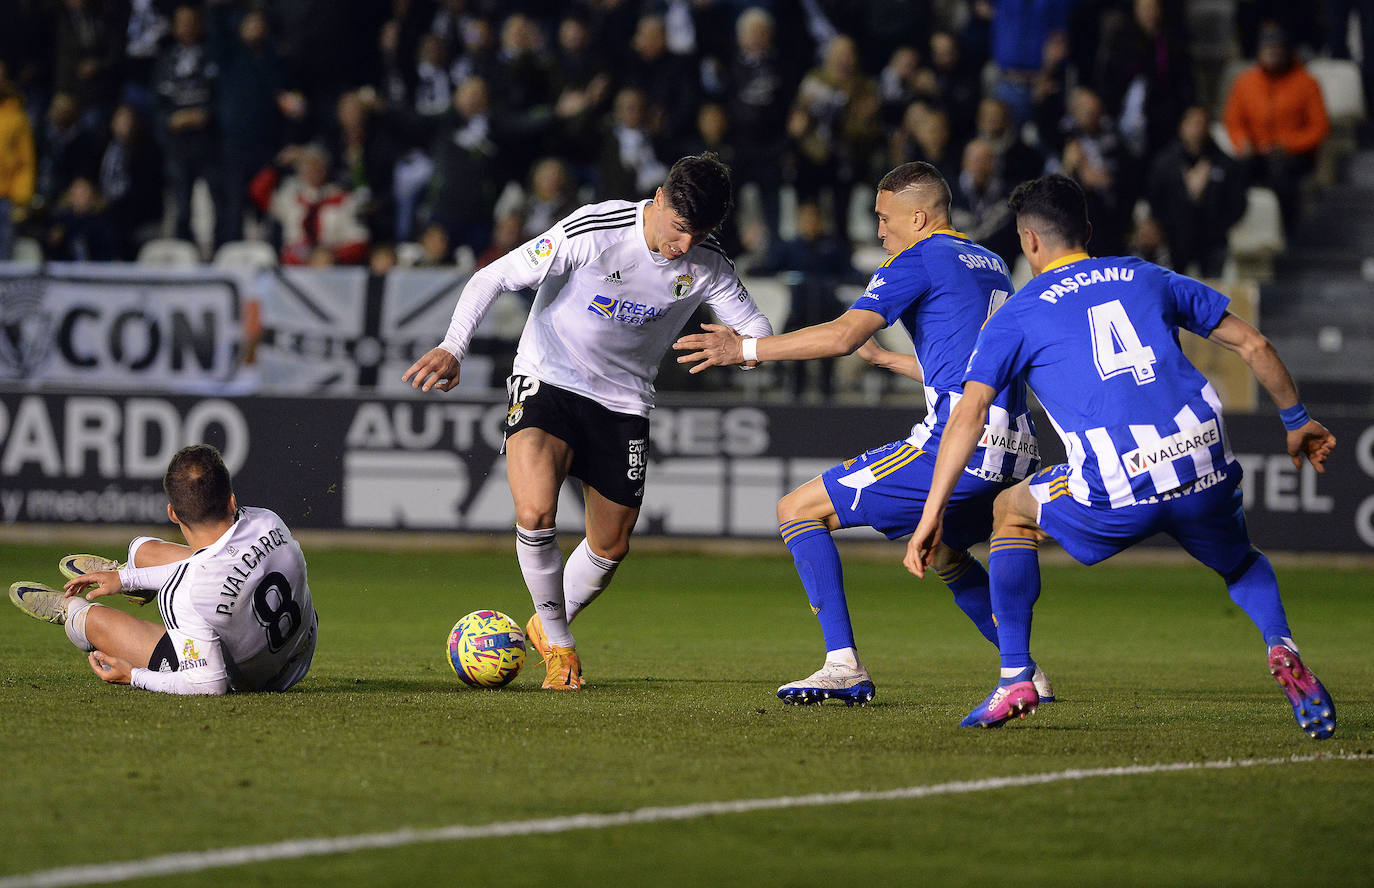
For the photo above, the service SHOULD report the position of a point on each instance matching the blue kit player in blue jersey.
(941, 287)
(1097, 341)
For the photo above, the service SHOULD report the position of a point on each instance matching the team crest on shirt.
(683, 285)
(743, 294)
(536, 252)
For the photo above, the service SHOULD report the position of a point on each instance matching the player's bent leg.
(967, 580)
(806, 517)
(1210, 525)
(1014, 570)
(536, 464)
(121, 635)
(592, 565)
(810, 501)
(609, 525)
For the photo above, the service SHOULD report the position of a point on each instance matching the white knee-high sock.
(585, 576)
(77, 609)
(541, 563)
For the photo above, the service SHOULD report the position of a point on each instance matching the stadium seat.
(1258, 237)
(1344, 97)
(169, 253)
(772, 297)
(867, 258)
(409, 254)
(1211, 26)
(464, 258)
(28, 251)
(1341, 89)
(1223, 138)
(253, 255)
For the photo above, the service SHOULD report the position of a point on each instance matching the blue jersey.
(1097, 341)
(942, 289)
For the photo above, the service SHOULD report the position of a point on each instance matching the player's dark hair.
(197, 485)
(921, 175)
(1058, 204)
(698, 189)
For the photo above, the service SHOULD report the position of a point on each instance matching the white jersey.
(238, 612)
(607, 307)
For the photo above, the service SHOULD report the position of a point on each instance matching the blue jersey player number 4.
(1096, 339)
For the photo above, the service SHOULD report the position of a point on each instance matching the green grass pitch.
(1152, 662)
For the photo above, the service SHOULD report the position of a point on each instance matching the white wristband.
(751, 349)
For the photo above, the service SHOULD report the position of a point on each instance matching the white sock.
(77, 609)
(843, 657)
(541, 563)
(585, 576)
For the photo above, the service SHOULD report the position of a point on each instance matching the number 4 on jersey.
(1116, 346)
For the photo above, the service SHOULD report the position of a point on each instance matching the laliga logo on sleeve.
(538, 251)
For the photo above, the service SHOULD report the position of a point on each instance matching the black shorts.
(610, 449)
(164, 658)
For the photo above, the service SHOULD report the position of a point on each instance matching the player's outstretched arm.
(437, 369)
(94, 585)
(1306, 437)
(896, 362)
(720, 346)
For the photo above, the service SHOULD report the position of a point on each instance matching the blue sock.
(1014, 568)
(818, 565)
(967, 579)
(1255, 590)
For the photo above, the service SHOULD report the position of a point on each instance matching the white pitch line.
(195, 861)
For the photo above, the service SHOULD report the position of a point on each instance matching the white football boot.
(1043, 686)
(833, 681)
(39, 601)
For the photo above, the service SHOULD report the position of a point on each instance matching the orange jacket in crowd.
(18, 166)
(1285, 110)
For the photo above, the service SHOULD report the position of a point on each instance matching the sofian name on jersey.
(974, 260)
(233, 583)
(1073, 283)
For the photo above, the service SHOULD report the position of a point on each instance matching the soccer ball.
(486, 649)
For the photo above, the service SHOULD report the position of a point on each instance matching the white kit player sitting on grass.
(616, 282)
(235, 605)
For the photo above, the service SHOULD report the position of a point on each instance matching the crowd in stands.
(340, 129)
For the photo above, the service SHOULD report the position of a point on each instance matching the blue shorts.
(1205, 517)
(886, 489)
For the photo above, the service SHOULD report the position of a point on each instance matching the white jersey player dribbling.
(616, 281)
(238, 612)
